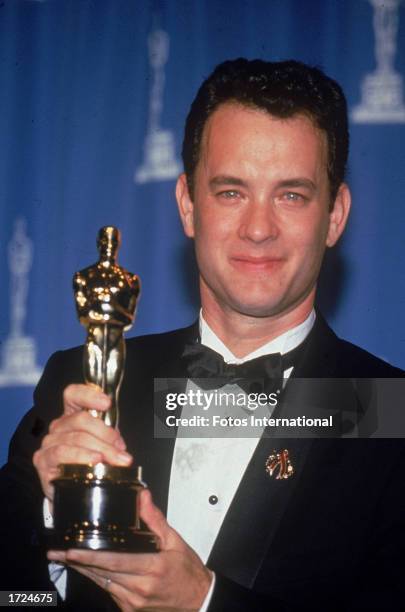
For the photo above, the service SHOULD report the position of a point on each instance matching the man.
(262, 196)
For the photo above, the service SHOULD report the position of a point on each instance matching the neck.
(243, 334)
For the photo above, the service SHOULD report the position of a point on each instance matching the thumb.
(154, 519)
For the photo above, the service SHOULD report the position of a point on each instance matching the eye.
(229, 194)
(292, 198)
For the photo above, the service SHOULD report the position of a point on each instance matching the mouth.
(258, 264)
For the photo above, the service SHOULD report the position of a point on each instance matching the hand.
(79, 437)
(173, 579)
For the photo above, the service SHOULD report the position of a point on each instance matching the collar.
(282, 344)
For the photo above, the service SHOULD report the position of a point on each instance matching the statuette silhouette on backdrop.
(160, 162)
(19, 365)
(382, 96)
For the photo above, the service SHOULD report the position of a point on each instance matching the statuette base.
(96, 508)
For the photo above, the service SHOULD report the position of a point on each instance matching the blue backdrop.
(93, 97)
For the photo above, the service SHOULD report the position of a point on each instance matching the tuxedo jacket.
(330, 538)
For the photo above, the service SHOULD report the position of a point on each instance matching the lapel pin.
(281, 463)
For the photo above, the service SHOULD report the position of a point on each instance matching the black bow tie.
(261, 374)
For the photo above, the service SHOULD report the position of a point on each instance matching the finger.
(129, 564)
(46, 476)
(156, 521)
(47, 464)
(87, 442)
(88, 397)
(58, 556)
(99, 579)
(127, 600)
(136, 597)
(49, 459)
(83, 421)
(102, 564)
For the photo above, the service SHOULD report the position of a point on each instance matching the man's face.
(260, 215)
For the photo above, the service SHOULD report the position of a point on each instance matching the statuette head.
(108, 243)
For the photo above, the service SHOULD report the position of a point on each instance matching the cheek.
(308, 242)
(213, 227)
(308, 234)
(211, 247)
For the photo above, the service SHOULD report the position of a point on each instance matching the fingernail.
(54, 555)
(104, 401)
(124, 457)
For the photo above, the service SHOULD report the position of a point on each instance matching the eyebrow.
(225, 179)
(298, 182)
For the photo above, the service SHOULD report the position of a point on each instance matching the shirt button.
(213, 499)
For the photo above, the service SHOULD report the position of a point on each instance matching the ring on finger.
(107, 583)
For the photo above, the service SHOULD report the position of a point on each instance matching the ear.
(339, 215)
(185, 205)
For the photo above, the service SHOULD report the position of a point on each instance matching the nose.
(259, 223)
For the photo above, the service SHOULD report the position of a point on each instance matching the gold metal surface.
(99, 471)
(280, 463)
(106, 296)
(96, 506)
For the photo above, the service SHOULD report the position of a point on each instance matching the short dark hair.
(283, 89)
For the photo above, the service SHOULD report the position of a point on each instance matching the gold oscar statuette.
(95, 506)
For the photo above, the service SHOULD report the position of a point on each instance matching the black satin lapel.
(320, 357)
(256, 512)
(320, 387)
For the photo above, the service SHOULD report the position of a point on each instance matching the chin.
(256, 309)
